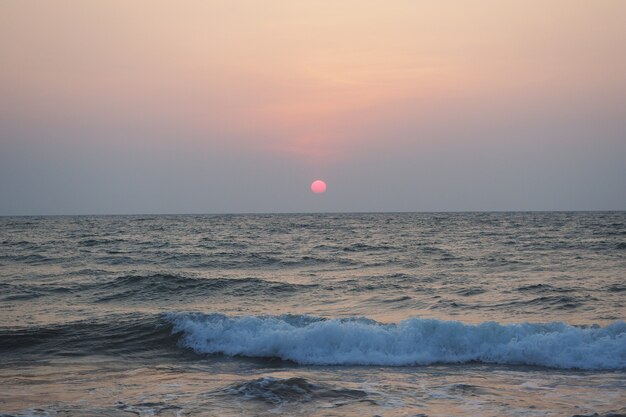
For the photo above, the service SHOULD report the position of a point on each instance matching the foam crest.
(315, 341)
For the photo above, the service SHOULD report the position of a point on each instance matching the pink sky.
(321, 87)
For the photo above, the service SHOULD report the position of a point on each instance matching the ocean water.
(425, 314)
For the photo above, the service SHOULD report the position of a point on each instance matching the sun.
(318, 186)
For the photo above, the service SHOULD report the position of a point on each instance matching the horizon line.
(315, 213)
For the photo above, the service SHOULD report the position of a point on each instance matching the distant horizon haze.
(307, 213)
(213, 107)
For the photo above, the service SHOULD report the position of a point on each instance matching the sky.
(151, 106)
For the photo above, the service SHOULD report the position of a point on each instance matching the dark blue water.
(347, 314)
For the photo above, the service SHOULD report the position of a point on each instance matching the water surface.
(475, 314)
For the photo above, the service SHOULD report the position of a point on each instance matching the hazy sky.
(144, 106)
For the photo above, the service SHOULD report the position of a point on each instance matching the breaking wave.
(360, 341)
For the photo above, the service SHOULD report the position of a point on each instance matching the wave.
(616, 288)
(160, 286)
(133, 334)
(296, 389)
(311, 340)
(468, 292)
(315, 341)
(543, 288)
(11, 292)
(100, 242)
(549, 302)
(29, 258)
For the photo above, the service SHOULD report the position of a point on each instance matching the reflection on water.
(89, 308)
(106, 387)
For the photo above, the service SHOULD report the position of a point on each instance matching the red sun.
(318, 186)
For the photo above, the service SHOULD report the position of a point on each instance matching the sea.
(389, 314)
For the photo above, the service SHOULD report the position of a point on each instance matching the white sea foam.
(309, 340)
